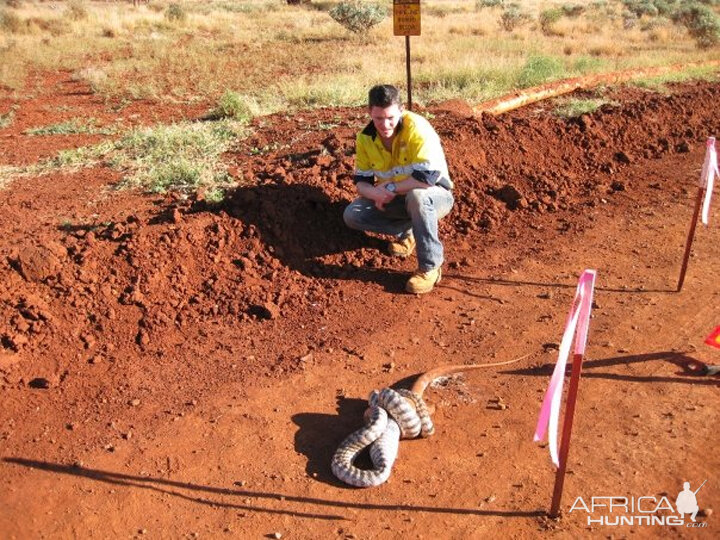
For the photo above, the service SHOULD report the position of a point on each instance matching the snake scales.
(392, 414)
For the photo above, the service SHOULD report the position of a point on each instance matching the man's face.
(386, 119)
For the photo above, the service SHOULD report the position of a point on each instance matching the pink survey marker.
(578, 319)
(707, 177)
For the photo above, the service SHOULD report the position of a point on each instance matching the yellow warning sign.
(406, 17)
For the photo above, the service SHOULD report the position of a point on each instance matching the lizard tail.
(428, 377)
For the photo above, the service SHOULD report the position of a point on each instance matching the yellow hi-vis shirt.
(416, 152)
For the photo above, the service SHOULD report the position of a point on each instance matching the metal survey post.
(406, 22)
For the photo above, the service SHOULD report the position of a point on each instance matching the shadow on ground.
(199, 494)
(693, 371)
(303, 227)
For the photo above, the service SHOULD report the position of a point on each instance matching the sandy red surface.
(171, 368)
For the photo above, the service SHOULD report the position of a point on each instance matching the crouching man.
(403, 185)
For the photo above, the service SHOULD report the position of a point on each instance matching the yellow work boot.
(423, 282)
(402, 248)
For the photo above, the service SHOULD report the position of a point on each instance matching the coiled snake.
(392, 415)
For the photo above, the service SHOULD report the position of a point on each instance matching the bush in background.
(665, 7)
(479, 4)
(231, 105)
(513, 18)
(642, 7)
(538, 70)
(357, 16)
(549, 17)
(175, 13)
(701, 22)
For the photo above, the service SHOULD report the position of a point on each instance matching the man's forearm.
(365, 189)
(409, 184)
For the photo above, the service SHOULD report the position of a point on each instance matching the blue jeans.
(416, 212)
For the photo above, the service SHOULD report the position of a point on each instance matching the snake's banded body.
(393, 414)
(390, 417)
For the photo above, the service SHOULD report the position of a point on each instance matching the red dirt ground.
(172, 368)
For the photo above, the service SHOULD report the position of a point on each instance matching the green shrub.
(641, 7)
(587, 64)
(701, 22)
(479, 4)
(538, 70)
(665, 7)
(76, 10)
(357, 16)
(175, 13)
(549, 17)
(232, 105)
(512, 18)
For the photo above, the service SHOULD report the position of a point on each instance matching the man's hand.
(381, 196)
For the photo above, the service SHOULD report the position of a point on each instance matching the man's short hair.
(384, 95)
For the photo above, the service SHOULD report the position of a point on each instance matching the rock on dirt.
(510, 195)
(38, 263)
(40, 383)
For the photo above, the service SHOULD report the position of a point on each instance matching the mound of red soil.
(257, 255)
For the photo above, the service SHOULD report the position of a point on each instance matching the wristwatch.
(391, 187)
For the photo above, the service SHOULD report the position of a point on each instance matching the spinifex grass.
(659, 82)
(575, 107)
(73, 126)
(184, 156)
(7, 118)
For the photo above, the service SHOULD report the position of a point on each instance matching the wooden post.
(567, 432)
(407, 69)
(690, 238)
(406, 22)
